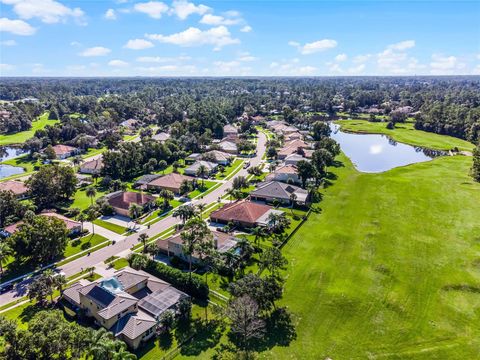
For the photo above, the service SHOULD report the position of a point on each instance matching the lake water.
(374, 153)
(7, 170)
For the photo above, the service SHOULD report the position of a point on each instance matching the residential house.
(172, 182)
(129, 304)
(243, 213)
(218, 157)
(292, 147)
(190, 159)
(230, 131)
(228, 146)
(192, 169)
(173, 246)
(142, 181)
(65, 151)
(121, 201)
(74, 227)
(278, 191)
(18, 188)
(286, 174)
(130, 124)
(162, 137)
(92, 167)
(293, 159)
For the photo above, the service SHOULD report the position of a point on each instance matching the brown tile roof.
(242, 210)
(286, 169)
(96, 164)
(63, 149)
(132, 326)
(120, 303)
(172, 180)
(69, 223)
(17, 187)
(124, 199)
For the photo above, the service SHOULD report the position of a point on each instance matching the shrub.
(191, 284)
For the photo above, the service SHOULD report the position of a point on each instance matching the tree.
(39, 289)
(32, 145)
(151, 249)
(273, 260)
(92, 215)
(305, 171)
(5, 252)
(258, 232)
(184, 212)
(135, 211)
(185, 187)
(167, 196)
(196, 231)
(201, 208)
(82, 217)
(167, 320)
(10, 208)
(51, 184)
(246, 322)
(162, 165)
(245, 247)
(293, 200)
(320, 130)
(278, 223)
(202, 172)
(240, 182)
(255, 171)
(50, 153)
(476, 164)
(143, 238)
(42, 239)
(91, 192)
(271, 152)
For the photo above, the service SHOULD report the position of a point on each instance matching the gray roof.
(72, 293)
(163, 136)
(194, 167)
(161, 300)
(98, 294)
(120, 303)
(145, 179)
(129, 279)
(279, 190)
(132, 326)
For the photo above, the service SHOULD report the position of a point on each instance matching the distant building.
(230, 131)
(121, 201)
(172, 182)
(190, 159)
(279, 191)
(286, 174)
(129, 304)
(74, 227)
(162, 137)
(219, 157)
(18, 188)
(130, 124)
(228, 146)
(65, 151)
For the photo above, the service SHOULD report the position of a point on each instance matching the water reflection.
(375, 153)
(7, 153)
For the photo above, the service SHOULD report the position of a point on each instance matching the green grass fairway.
(22, 136)
(389, 269)
(406, 133)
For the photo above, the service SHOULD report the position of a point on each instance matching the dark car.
(6, 288)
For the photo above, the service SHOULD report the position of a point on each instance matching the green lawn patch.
(22, 136)
(232, 168)
(120, 263)
(202, 189)
(24, 162)
(110, 226)
(407, 134)
(82, 201)
(78, 245)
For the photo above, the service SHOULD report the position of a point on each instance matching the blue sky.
(238, 38)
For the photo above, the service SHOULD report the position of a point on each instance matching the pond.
(373, 153)
(8, 153)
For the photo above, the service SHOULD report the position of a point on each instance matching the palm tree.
(92, 214)
(293, 200)
(201, 208)
(195, 232)
(82, 218)
(184, 212)
(151, 249)
(259, 233)
(229, 260)
(60, 282)
(50, 275)
(202, 172)
(135, 211)
(167, 196)
(5, 252)
(245, 247)
(91, 192)
(143, 239)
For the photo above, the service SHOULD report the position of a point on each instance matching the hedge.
(192, 284)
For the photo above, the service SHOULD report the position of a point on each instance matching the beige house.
(129, 304)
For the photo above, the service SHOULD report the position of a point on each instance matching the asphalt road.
(123, 247)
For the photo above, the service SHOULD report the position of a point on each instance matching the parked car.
(6, 288)
(246, 165)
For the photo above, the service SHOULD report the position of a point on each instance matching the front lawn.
(78, 245)
(233, 168)
(120, 263)
(111, 226)
(82, 201)
(202, 188)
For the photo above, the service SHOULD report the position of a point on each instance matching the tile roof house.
(190, 159)
(230, 131)
(17, 187)
(293, 159)
(143, 180)
(121, 201)
(172, 182)
(64, 151)
(243, 213)
(192, 169)
(129, 304)
(74, 227)
(218, 157)
(228, 146)
(292, 147)
(286, 173)
(92, 167)
(174, 245)
(282, 192)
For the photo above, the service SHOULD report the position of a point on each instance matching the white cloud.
(402, 45)
(117, 63)
(110, 14)
(8, 43)
(95, 51)
(183, 9)
(341, 57)
(246, 57)
(292, 68)
(17, 27)
(478, 56)
(360, 59)
(159, 59)
(246, 29)
(217, 36)
(445, 65)
(305, 70)
(154, 9)
(476, 70)
(48, 11)
(216, 20)
(138, 44)
(169, 70)
(313, 47)
(6, 67)
(356, 70)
